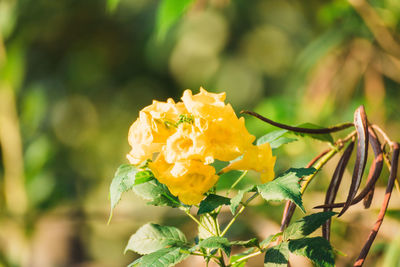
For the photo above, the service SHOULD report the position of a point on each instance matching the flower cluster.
(184, 138)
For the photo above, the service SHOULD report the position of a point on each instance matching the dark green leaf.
(216, 242)
(157, 193)
(285, 187)
(124, 180)
(322, 137)
(247, 243)
(211, 202)
(163, 258)
(277, 256)
(317, 249)
(152, 237)
(168, 13)
(307, 225)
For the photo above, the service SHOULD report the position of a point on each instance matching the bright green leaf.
(168, 13)
(124, 180)
(322, 137)
(306, 225)
(281, 141)
(275, 139)
(211, 202)
(152, 237)
(317, 249)
(277, 256)
(163, 258)
(285, 187)
(216, 242)
(271, 136)
(206, 220)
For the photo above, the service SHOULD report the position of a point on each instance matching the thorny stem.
(238, 213)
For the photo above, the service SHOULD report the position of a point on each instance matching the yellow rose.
(188, 180)
(258, 158)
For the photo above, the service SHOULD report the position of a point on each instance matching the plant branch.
(332, 129)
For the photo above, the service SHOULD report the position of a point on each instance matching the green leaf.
(285, 187)
(216, 242)
(143, 177)
(207, 221)
(317, 249)
(275, 139)
(124, 180)
(163, 258)
(168, 13)
(306, 225)
(152, 237)
(157, 193)
(237, 257)
(135, 263)
(271, 136)
(247, 243)
(277, 256)
(281, 141)
(322, 137)
(270, 239)
(235, 201)
(211, 202)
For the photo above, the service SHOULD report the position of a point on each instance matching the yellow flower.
(188, 180)
(149, 133)
(258, 158)
(188, 142)
(227, 135)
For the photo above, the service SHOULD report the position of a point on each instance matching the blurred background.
(73, 77)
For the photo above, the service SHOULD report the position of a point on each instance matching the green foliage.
(321, 137)
(211, 202)
(152, 237)
(123, 180)
(157, 194)
(285, 187)
(317, 249)
(163, 258)
(235, 201)
(168, 13)
(217, 242)
(306, 225)
(270, 239)
(275, 139)
(277, 256)
(246, 243)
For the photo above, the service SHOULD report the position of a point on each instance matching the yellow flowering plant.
(177, 150)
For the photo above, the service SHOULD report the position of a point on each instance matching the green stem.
(197, 221)
(238, 180)
(247, 257)
(238, 213)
